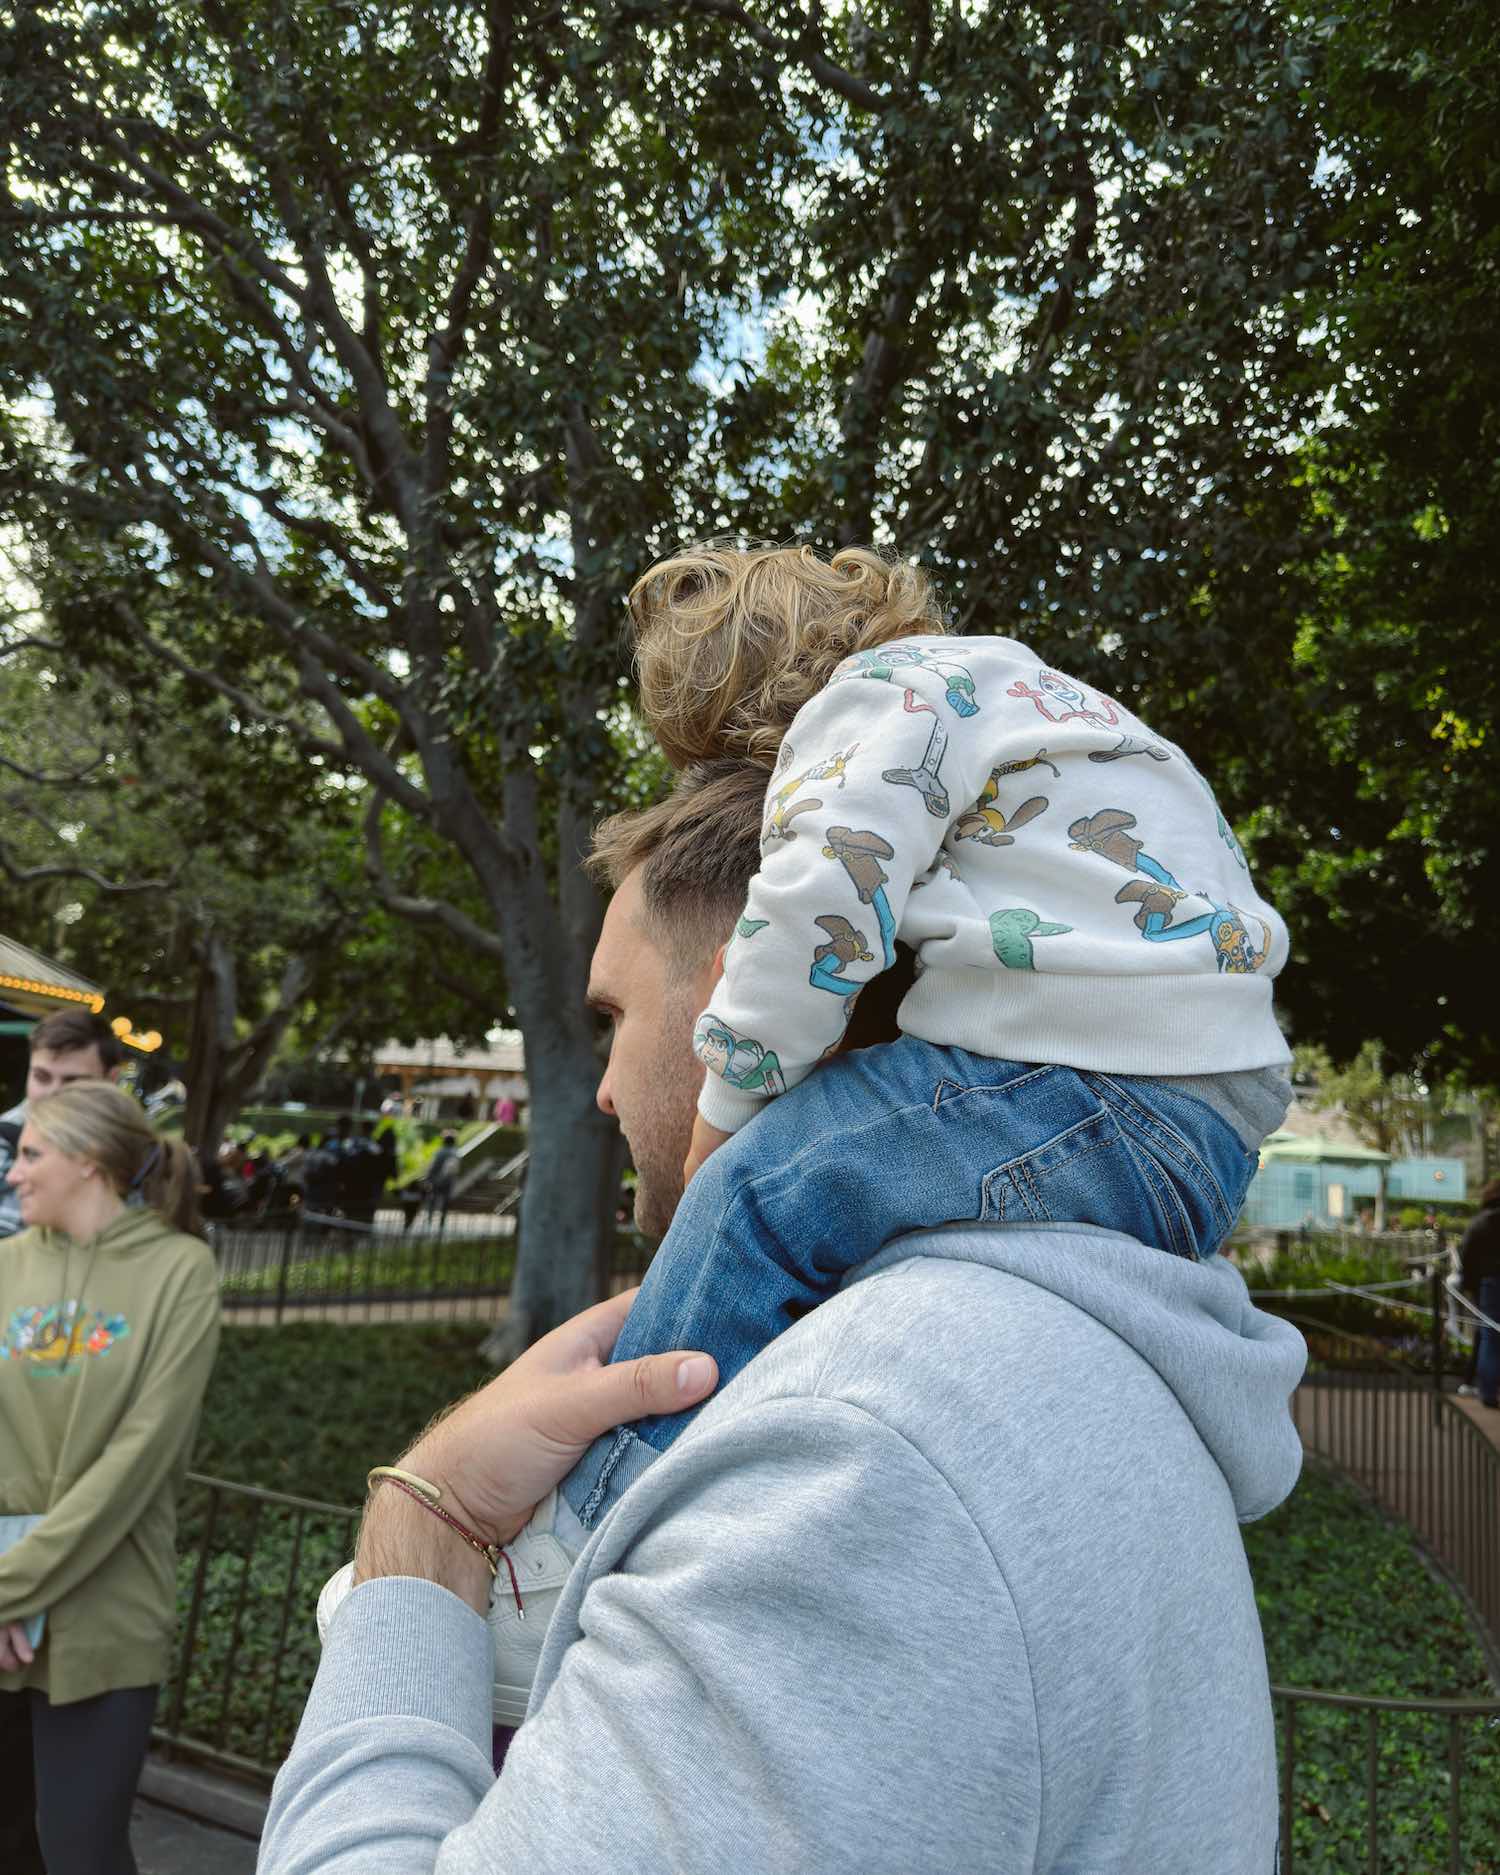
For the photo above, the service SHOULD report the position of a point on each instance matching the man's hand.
(499, 1452)
(706, 1139)
(15, 1649)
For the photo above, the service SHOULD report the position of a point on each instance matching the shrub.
(1349, 1605)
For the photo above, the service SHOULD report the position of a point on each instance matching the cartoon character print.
(1073, 702)
(744, 930)
(860, 855)
(785, 807)
(1227, 835)
(1011, 933)
(924, 778)
(985, 822)
(1131, 745)
(860, 852)
(887, 661)
(738, 1060)
(1157, 896)
(844, 945)
(49, 1339)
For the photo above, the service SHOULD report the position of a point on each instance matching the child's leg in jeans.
(893, 1139)
(773, 1220)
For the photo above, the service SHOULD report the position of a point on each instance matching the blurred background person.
(69, 1045)
(109, 1322)
(442, 1176)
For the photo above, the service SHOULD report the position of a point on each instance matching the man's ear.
(712, 971)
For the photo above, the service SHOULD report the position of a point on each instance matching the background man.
(69, 1045)
(949, 1577)
(366, 1166)
(441, 1180)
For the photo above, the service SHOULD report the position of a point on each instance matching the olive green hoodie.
(105, 1350)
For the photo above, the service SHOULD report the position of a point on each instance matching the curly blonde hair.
(730, 642)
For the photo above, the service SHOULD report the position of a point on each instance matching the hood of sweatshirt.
(135, 1232)
(1231, 1366)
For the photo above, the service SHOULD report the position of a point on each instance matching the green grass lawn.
(1345, 1599)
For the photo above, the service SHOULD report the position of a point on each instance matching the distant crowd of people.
(347, 1175)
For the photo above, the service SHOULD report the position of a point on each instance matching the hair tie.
(146, 1170)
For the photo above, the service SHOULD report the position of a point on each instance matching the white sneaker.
(519, 1615)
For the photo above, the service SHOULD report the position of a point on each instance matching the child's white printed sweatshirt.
(1065, 877)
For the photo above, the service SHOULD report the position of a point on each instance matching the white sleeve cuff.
(726, 1107)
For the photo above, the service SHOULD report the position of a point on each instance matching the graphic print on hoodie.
(47, 1338)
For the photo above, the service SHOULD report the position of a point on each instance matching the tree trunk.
(566, 1227)
(207, 1113)
(223, 1071)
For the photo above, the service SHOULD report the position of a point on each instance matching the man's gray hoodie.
(950, 1579)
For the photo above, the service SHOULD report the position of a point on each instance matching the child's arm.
(872, 772)
(706, 1139)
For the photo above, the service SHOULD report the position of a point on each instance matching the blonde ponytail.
(99, 1122)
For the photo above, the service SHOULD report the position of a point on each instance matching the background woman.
(109, 1320)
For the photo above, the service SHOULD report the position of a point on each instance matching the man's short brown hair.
(698, 850)
(67, 1030)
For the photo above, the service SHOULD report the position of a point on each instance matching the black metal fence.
(314, 1267)
(251, 1563)
(1451, 1818)
(1412, 1447)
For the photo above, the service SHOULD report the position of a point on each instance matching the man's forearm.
(400, 1538)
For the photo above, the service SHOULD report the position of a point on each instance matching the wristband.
(422, 1491)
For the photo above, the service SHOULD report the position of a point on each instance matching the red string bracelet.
(422, 1492)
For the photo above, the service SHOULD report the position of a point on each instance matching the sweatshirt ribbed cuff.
(726, 1107)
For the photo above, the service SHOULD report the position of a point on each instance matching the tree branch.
(447, 340)
(247, 705)
(801, 52)
(465, 992)
(418, 910)
(30, 875)
(358, 745)
(1080, 248)
(32, 644)
(56, 781)
(390, 453)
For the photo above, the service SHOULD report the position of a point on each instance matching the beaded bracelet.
(422, 1491)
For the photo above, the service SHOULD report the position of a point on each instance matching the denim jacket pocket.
(1036, 1186)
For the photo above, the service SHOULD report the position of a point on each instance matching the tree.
(404, 337)
(1384, 853)
(211, 884)
(1388, 1111)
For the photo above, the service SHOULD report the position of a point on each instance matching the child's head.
(732, 641)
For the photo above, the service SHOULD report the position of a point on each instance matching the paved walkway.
(167, 1843)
